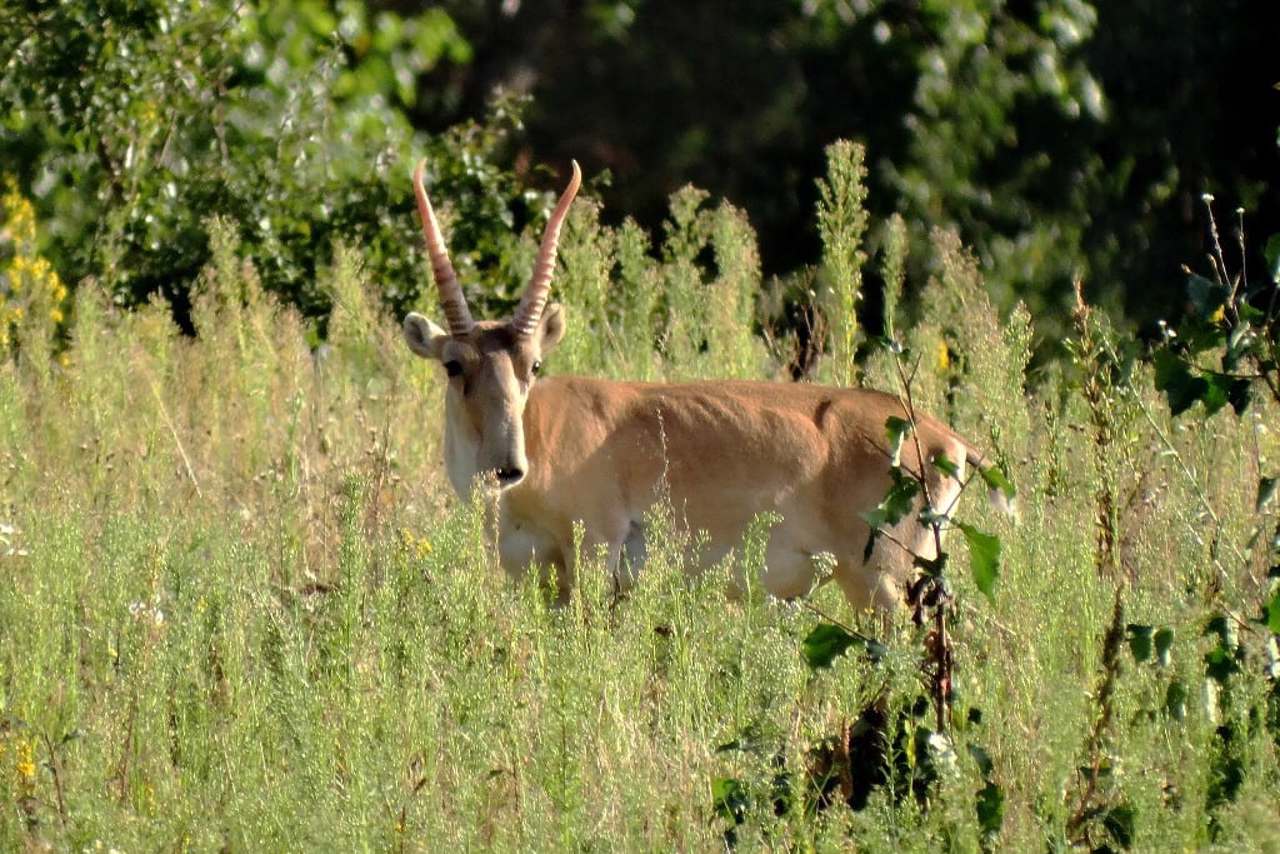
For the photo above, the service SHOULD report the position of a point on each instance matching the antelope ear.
(424, 337)
(551, 328)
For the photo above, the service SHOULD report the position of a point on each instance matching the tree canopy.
(1063, 139)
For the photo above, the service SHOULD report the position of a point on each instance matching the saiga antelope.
(564, 449)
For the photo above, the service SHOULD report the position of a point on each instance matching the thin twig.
(55, 768)
(1220, 259)
(964, 484)
(1244, 262)
(1011, 633)
(941, 648)
(812, 608)
(881, 531)
(182, 452)
(1110, 670)
(908, 404)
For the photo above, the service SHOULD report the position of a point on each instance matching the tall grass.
(242, 610)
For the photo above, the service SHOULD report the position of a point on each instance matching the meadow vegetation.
(241, 608)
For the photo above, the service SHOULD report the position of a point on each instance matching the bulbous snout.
(506, 461)
(495, 409)
(509, 475)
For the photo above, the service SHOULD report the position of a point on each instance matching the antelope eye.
(453, 368)
(537, 367)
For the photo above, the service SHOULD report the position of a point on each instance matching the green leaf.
(1238, 395)
(897, 501)
(827, 642)
(1175, 380)
(1139, 641)
(1217, 392)
(1119, 822)
(896, 429)
(1201, 335)
(729, 799)
(931, 566)
(891, 344)
(1219, 389)
(1205, 296)
(1175, 700)
(1220, 664)
(1086, 771)
(990, 809)
(995, 479)
(1249, 314)
(1164, 643)
(871, 540)
(1222, 627)
(1272, 253)
(944, 464)
(984, 558)
(1241, 342)
(1272, 612)
(1266, 492)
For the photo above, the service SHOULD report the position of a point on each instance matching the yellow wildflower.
(26, 766)
(419, 546)
(20, 215)
(27, 278)
(944, 356)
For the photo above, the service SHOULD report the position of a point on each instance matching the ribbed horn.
(529, 312)
(456, 313)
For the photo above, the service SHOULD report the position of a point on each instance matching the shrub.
(128, 127)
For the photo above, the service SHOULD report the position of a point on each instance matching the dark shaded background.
(741, 97)
(1062, 138)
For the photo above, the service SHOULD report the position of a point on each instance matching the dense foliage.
(1064, 139)
(128, 125)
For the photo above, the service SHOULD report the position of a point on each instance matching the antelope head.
(491, 365)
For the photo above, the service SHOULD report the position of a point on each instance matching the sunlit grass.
(241, 607)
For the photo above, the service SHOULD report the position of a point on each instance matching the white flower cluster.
(148, 612)
(8, 542)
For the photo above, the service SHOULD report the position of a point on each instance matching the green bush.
(129, 125)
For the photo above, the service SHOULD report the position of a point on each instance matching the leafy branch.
(1231, 322)
(930, 595)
